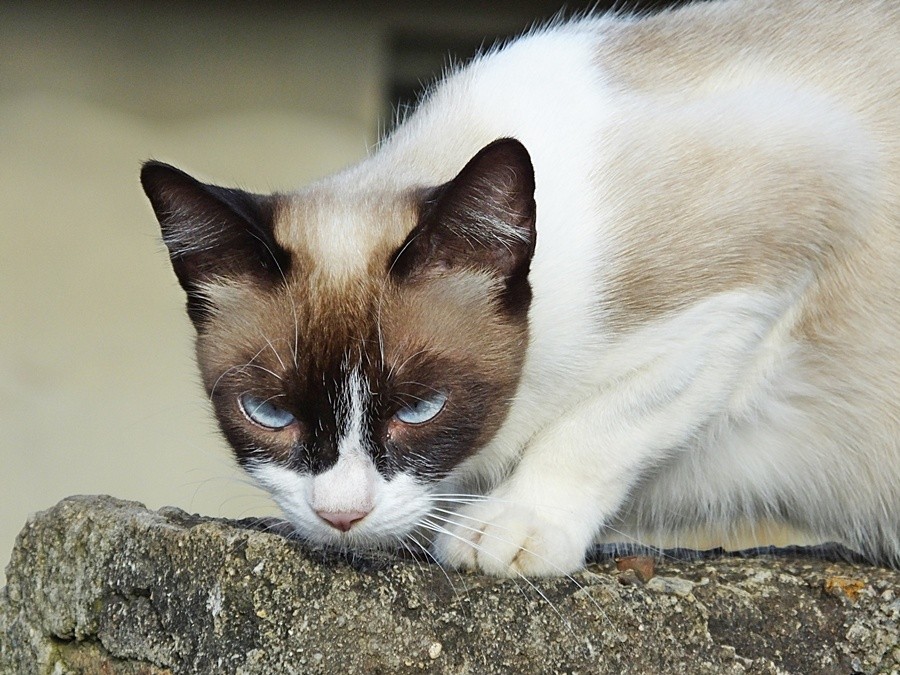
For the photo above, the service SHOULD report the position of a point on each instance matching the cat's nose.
(342, 520)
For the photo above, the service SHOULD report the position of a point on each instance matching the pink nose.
(342, 520)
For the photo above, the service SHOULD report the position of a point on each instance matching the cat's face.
(357, 348)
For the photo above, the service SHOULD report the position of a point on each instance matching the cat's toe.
(511, 542)
(455, 546)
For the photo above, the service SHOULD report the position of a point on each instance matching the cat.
(620, 278)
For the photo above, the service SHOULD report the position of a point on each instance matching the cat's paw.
(508, 539)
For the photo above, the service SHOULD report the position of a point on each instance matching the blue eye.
(422, 410)
(260, 411)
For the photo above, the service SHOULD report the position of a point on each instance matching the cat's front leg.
(575, 475)
(538, 523)
(544, 518)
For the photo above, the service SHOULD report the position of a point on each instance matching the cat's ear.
(483, 219)
(213, 233)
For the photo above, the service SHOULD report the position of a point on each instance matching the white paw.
(508, 539)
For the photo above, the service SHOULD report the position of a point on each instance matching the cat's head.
(357, 345)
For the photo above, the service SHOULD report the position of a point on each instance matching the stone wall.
(99, 585)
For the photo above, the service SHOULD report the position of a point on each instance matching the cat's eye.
(264, 413)
(422, 409)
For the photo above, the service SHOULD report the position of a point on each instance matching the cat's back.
(835, 61)
(826, 75)
(848, 47)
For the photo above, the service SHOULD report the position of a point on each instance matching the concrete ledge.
(99, 585)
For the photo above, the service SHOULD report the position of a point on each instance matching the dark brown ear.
(482, 219)
(213, 232)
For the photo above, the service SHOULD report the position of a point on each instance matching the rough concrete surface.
(99, 585)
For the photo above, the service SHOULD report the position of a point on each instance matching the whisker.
(280, 527)
(461, 515)
(406, 547)
(290, 297)
(378, 331)
(438, 528)
(437, 562)
(461, 498)
(212, 391)
(275, 351)
(481, 532)
(395, 368)
(270, 372)
(418, 384)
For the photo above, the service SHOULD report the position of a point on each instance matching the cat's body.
(706, 336)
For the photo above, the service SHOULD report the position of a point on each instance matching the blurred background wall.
(98, 389)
